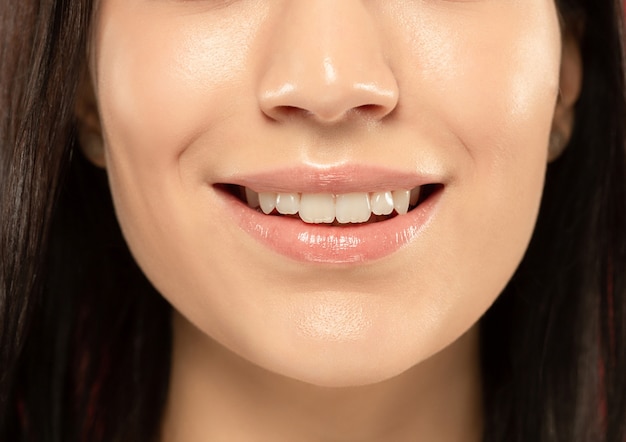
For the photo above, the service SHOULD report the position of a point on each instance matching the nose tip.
(331, 101)
(326, 64)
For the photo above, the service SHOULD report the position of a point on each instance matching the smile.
(337, 209)
(337, 217)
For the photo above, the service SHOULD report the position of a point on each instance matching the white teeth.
(382, 203)
(317, 207)
(352, 208)
(252, 198)
(288, 203)
(401, 201)
(415, 196)
(267, 201)
(356, 207)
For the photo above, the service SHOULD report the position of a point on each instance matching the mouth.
(349, 214)
(335, 209)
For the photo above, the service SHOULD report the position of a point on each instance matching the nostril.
(374, 111)
(366, 112)
(372, 108)
(285, 113)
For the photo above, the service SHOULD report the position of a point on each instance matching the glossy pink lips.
(333, 244)
(324, 243)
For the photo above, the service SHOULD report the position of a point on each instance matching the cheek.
(158, 92)
(487, 74)
(487, 83)
(164, 79)
(503, 104)
(485, 91)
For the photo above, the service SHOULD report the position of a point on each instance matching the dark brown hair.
(85, 340)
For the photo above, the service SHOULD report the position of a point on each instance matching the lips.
(328, 217)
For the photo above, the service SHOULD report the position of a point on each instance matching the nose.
(325, 61)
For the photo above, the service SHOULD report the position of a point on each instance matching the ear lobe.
(88, 123)
(570, 84)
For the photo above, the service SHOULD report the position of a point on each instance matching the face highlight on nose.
(326, 68)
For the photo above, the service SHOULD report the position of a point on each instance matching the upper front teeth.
(317, 208)
(354, 207)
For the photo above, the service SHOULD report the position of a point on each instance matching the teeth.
(382, 203)
(401, 201)
(415, 196)
(317, 207)
(354, 207)
(267, 201)
(252, 198)
(288, 203)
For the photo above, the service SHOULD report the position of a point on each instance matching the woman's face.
(329, 104)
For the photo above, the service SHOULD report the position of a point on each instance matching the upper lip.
(333, 179)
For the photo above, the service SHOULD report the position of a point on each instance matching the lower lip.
(321, 243)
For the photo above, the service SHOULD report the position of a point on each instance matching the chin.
(341, 363)
(340, 368)
(345, 364)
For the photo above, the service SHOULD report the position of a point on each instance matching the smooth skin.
(191, 93)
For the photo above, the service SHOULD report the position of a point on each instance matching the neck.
(217, 396)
